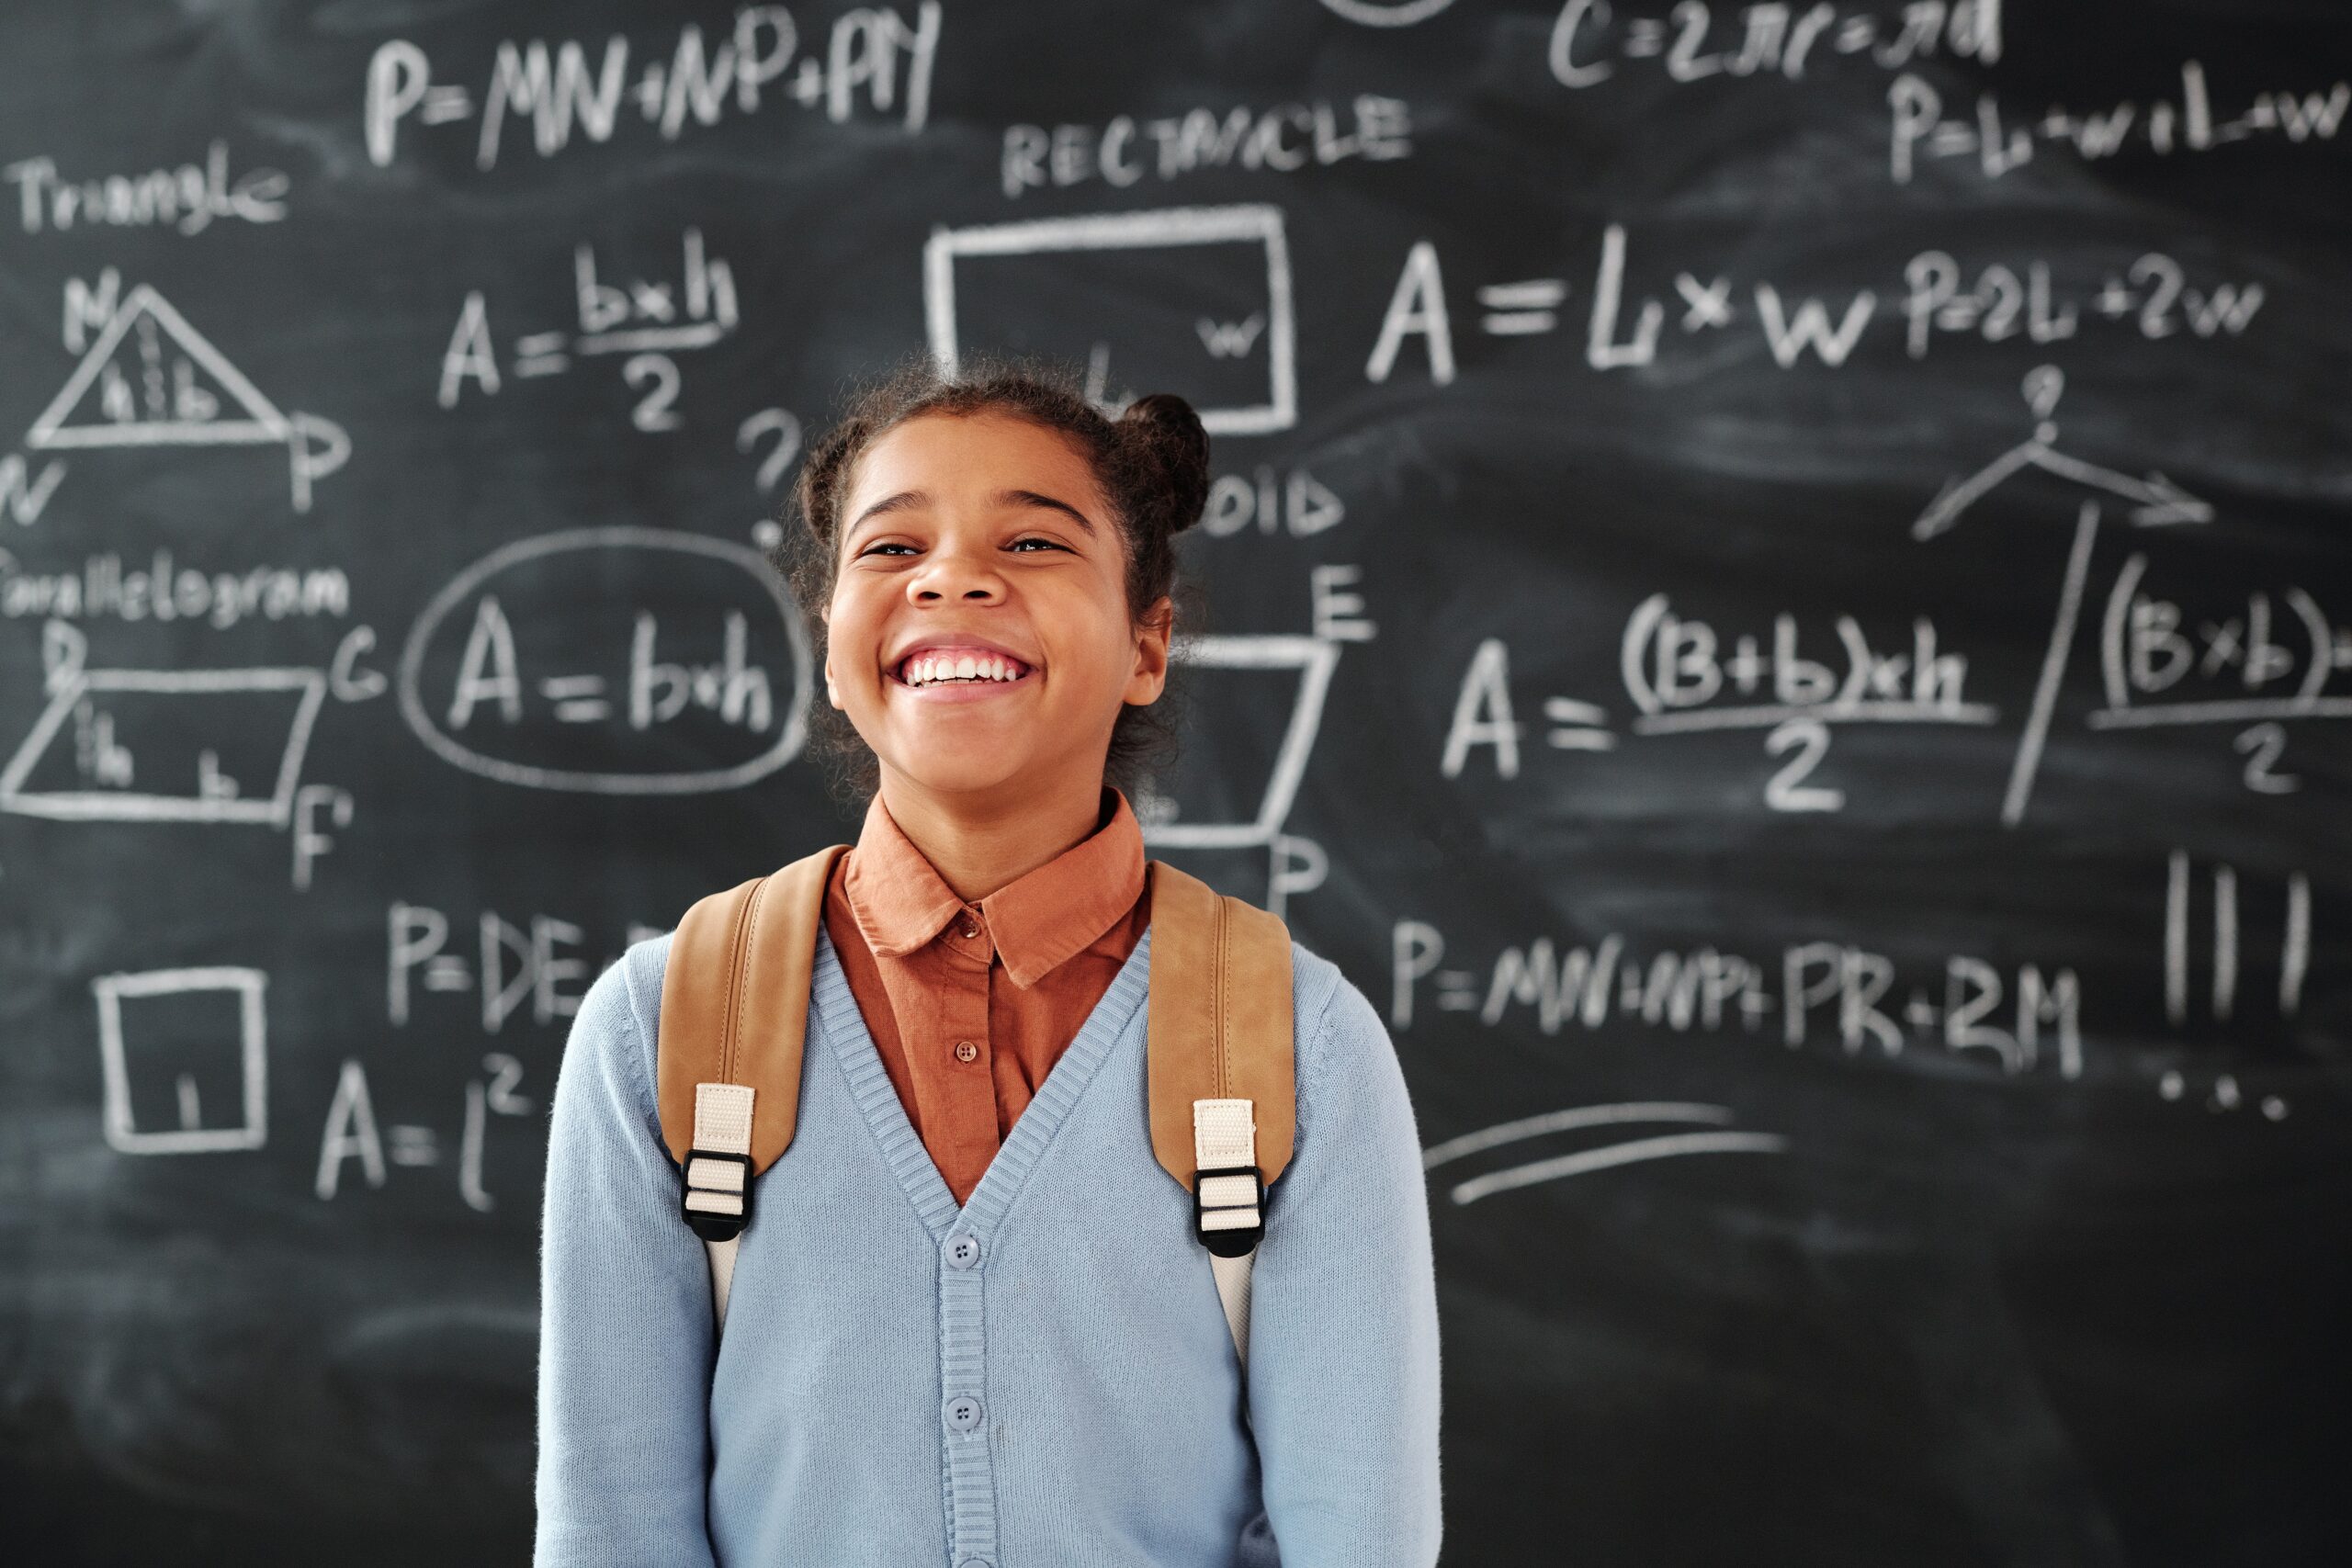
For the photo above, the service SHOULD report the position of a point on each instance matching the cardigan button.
(963, 1251)
(964, 1412)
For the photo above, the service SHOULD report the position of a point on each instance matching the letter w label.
(21, 497)
(1811, 326)
(1229, 340)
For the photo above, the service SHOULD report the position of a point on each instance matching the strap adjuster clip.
(717, 1202)
(1229, 1219)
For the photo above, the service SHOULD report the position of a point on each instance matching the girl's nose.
(960, 571)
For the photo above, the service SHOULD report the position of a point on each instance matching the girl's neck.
(978, 846)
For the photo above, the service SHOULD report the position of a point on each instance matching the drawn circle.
(1401, 14)
(617, 537)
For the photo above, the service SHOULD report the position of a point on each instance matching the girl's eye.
(1032, 539)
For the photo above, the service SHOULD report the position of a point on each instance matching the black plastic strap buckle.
(724, 1211)
(1230, 1241)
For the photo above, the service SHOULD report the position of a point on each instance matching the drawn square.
(188, 1044)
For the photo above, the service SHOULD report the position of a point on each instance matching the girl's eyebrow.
(1031, 498)
(907, 499)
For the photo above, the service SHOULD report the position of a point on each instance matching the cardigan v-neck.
(852, 1044)
(969, 1005)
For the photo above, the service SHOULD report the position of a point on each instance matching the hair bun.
(1165, 435)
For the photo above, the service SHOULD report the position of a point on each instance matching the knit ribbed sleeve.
(1343, 1333)
(625, 1314)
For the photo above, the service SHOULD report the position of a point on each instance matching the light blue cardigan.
(1070, 1396)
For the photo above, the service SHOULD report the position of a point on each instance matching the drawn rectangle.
(1265, 334)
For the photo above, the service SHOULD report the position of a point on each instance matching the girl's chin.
(949, 772)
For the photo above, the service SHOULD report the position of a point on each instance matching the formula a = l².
(148, 379)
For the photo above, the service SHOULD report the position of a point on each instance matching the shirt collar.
(1038, 921)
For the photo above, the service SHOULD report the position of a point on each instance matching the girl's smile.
(960, 676)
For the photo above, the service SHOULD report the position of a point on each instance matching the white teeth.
(927, 668)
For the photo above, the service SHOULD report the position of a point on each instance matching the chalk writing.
(2224, 968)
(1267, 502)
(514, 963)
(1681, 676)
(161, 745)
(1826, 991)
(186, 198)
(647, 319)
(1602, 1157)
(1919, 130)
(173, 1032)
(1286, 138)
(164, 589)
(150, 379)
(2153, 296)
(1241, 371)
(484, 703)
(353, 1132)
(1589, 37)
(1307, 663)
(872, 51)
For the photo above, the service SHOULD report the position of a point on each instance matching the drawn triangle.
(152, 380)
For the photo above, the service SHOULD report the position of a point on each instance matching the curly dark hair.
(1152, 462)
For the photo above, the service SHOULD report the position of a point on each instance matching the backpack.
(1219, 1056)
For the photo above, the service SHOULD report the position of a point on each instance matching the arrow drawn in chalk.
(2156, 499)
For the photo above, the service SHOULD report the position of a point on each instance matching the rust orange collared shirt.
(970, 1004)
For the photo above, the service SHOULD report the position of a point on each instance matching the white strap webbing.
(1225, 1133)
(722, 1272)
(722, 1126)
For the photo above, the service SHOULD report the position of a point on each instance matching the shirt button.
(969, 927)
(964, 1412)
(963, 1251)
(965, 1050)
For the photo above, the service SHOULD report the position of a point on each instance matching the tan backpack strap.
(734, 1015)
(1220, 1062)
(1219, 1024)
(735, 1004)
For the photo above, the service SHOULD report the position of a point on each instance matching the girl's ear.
(1159, 621)
(1157, 625)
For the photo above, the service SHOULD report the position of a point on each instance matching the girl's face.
(986, 529)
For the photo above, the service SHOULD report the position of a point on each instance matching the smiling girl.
(992, 565)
